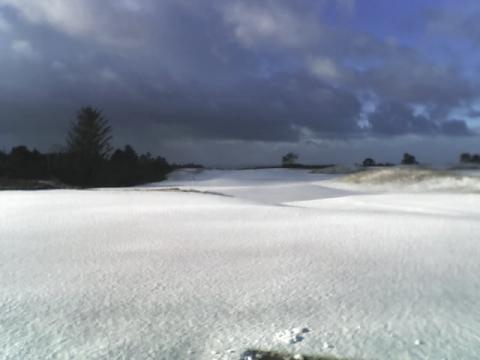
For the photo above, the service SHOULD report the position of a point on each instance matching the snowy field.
(374, 265)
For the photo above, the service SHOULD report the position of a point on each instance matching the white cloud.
(24, 49)
(73, 16)
(280, 22)
(324, 68)
(117, 22)
(274, 24)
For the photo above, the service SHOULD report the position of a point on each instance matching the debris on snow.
(292, 336)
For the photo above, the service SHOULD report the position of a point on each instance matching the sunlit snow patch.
(410, 179)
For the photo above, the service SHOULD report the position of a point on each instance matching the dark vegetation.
(273, 355)
(369, 162)
(409, 159)
(309, 167)
(86, 160)
(290, 161)
(26, 184)
(467, 158)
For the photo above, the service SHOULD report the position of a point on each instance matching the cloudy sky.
(243, 81)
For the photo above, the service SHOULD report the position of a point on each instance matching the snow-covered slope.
(410, 179)
(276, 186)
(146, 273)
(270, 186)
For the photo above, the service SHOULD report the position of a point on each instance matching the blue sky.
(243, 81)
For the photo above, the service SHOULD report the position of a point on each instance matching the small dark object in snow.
(272, 355)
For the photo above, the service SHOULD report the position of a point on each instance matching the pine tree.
(88, 144)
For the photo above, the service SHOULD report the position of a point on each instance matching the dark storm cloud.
(455, 128)
(393, 118)
(275, 109)
(398, 119)
(218, 70)
(414, 81)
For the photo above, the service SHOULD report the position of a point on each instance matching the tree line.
(86, 160)
(290, 161)
(468, 158)
(407, 159)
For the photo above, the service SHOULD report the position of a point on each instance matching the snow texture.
(157, 273)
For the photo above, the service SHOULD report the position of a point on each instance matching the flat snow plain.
(379, 265)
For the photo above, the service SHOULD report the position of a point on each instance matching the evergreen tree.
(88, 145)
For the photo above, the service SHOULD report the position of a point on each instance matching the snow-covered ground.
(367, 266)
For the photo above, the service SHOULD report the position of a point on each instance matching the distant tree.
(88, 145)
(368, 162)
(409, 159)
(465, 158)
(289, 159)
(90, 134)
(476, 158)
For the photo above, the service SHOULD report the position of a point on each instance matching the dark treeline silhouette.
(369, 162)
(409, 159)
(22, 163)
(468, 158)
(290, 161)
(87, 160)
